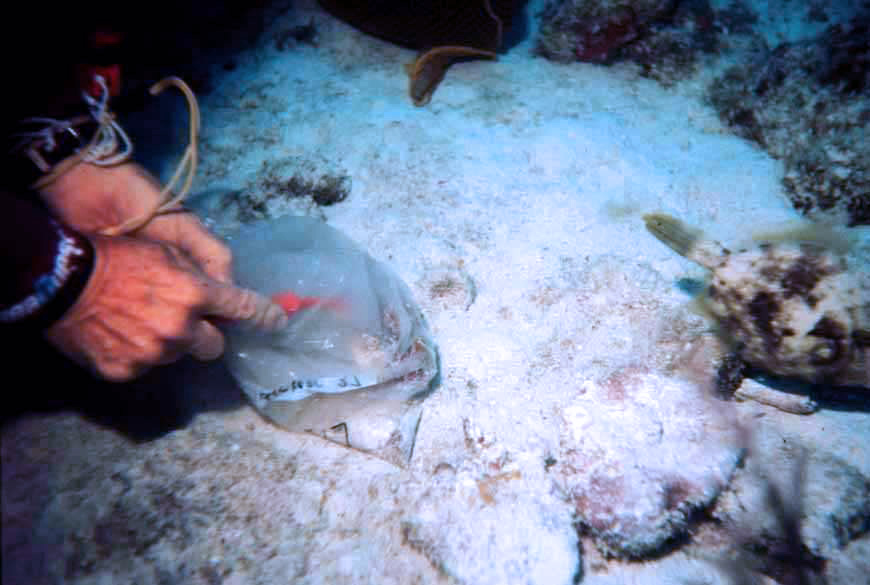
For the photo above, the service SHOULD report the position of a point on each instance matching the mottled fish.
(790, 308)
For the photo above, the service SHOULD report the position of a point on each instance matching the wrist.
(52, 290)
(45, 145)
(48, 147)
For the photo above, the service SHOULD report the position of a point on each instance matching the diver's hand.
(91, 198)
(145, 304)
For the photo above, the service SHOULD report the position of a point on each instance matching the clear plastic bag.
(356, 358)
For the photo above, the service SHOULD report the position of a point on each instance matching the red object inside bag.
(291, 302)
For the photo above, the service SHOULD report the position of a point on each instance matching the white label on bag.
(299, 389)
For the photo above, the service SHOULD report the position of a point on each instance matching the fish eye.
(831, 341)
(825, 352)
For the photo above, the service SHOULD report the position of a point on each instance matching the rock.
(644, 452)
(580, 30)
(804, 102)
(831, 497)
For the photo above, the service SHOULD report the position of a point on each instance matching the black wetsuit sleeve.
(45, 265)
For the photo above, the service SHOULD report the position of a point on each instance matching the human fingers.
(182, 229)
(207, 342)
(142, 306)
(239, 304)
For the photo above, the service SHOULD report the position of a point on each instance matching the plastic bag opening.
(356, 358)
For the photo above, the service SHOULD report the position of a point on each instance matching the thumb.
(239, 304)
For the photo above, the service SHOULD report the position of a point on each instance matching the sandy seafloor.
(569, 422)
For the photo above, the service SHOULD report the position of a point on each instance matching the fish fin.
(824, 235)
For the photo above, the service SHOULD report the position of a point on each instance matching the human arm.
(118, 305)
